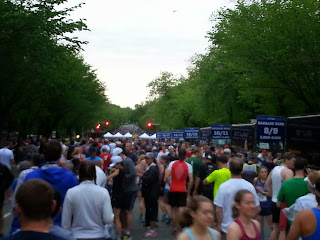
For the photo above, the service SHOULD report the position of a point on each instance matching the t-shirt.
(5, 156)
(292, 189)
(30, 235)
(179, 173)
(94, 159)
(106, 157)
(218, 177)
(195, 163)
(205, 170)
(225, 198)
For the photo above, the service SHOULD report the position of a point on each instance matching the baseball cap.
(115, 160)
(227, 150)
(171, 147)
(264, 151)
(149, 155)
(226, 146)
(154, 149)
(117, 151)
(208, 154)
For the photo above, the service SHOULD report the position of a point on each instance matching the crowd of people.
(84, 190)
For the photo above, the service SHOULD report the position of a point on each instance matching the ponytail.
(185, 219)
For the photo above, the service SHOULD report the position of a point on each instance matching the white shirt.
(276, 182)
(86, 210)
(112, 147)
(225, 198)
(160, 154)
(6, 155)
(101, 177)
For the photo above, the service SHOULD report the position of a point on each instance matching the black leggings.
(151, 209)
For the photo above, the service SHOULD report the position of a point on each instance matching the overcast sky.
(131, 41)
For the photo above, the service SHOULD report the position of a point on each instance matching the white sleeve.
(107, 209)
(189, 168)
(170, 165)
(218, 200)
(66, 213)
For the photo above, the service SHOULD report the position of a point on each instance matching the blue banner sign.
(177, 134)
(192, 133)
(205, 133)
(220, 131)
(270, 129)
(242, 132)
(166, 134)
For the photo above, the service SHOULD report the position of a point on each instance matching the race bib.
(262, 198)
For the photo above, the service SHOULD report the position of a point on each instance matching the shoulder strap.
(241, 227)
(189, 233)
(256, 230)
(212, 233)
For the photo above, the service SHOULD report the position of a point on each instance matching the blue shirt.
(94, 159)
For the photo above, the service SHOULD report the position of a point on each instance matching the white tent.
(154, 136)
(118, 135)
(144, 136)
(108, 135)
(127, 135)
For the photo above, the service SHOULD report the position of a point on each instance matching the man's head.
(87, 171)
(222, 160)
(300, 164)
(171, 149)
(227, 152)
(128, 147)
(53, 151)
(264, 152)
(92, 152)
(182, 154)
(196, 152)
(208, 156)
(34, 201)
(236, 166)
(288, 160)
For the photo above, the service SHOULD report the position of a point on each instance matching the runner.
(197, 219)
(243, 212)
(179, 171)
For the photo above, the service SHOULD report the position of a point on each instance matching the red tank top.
(244, 235)
(179, 174)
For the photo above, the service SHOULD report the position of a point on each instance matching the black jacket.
(150, 182)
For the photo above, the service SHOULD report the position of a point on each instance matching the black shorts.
(116, 200)
(265, 212)
(177, 199)
(275, 213)
(128, 200)
(2, 197)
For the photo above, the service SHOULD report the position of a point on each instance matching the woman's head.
(263, 172)
(244, 203)
(199, 209)
(312, 178)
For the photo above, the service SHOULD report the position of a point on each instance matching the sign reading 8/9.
(271, 131)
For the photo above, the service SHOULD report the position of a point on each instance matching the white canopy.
(145, 136)
(127, 135)
(154, 136)
(118, 135)
(108, 135)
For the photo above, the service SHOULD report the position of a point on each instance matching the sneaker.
(126, 236)
(150, 233)
(142, 219)
(164, 218)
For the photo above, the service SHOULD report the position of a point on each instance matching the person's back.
(179, 170)
(276, 182)
(250, 171)
(6, 155)
(86, 214)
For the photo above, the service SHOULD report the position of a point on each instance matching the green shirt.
(292, 189)
(218, 177)
(195, 163)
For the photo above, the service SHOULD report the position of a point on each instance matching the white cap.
(117, 151)
(227, 150)
(171, 147)
(115, 160)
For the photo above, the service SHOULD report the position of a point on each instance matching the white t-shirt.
(225, 198)
(6, 155)
(160, 154)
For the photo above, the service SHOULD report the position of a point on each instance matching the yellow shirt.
(218, 177)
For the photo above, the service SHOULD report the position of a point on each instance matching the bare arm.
(114, 174)
(196, 185)
(268, 183)
(295, 230)
(234, 232)
(167, 176)
(205, 182)
(190, 183)
(219, 212)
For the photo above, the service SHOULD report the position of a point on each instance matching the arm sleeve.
(131, 173)
(189, 168)
(170, 165)
(107, 209)
(66, 213)
(212, 177)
